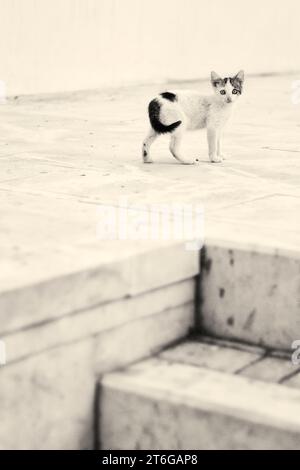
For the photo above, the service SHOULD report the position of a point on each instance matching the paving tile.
(211, 356)
(269, 369)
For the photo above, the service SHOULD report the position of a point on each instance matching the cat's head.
(228, 89)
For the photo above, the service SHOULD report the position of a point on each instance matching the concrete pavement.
(61, 156)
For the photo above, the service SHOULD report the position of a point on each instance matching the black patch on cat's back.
(154, 112)
(169, 96)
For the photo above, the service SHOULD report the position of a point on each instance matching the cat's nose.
(228, 100)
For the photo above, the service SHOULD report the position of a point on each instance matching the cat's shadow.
(157, 162)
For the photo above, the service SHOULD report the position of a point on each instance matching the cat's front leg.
(212, 139)
(219, 147)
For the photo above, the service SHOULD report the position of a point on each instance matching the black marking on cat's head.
(237, 81)
(169, 96)
(145, 153)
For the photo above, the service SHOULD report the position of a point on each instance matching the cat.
(175, 112)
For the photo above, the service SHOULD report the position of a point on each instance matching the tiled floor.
(61, 158)
(235, 358)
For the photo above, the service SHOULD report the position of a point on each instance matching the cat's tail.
(154, 110)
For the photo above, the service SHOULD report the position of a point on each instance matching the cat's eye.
(223, 92)
(234, 91)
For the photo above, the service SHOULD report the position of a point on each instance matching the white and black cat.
(176, 112)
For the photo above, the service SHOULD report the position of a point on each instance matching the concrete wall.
(59, 45)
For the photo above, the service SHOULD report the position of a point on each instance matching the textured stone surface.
(143, 338)
(215, 357)
(102, 318)
(293, 381)
(132, 273)
(48, 399)
(257, 350)
(61, 158)
(270, 369)
(157, 405)
(250, 294)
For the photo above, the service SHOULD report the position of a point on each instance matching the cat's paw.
(224, 157)
(187, 162)
(216, 159)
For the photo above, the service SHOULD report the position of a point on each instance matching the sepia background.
(53, 45)
(109, 340)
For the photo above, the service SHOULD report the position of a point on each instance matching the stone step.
(198, 395)
(249, 293)
(120, 305)
(105, 273)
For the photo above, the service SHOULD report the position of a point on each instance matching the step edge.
(125, 381)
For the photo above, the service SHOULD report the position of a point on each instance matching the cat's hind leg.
(175, 147)
(150, 138)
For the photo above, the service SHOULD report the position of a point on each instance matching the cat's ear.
(240, 76)
(215, 79)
